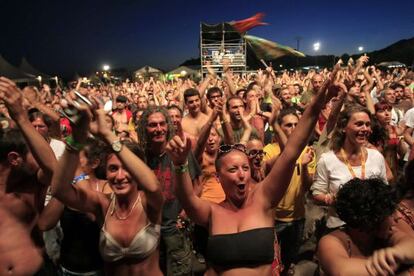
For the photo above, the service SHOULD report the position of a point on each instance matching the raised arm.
(379, 83)
(33, 97)
(40, 149)
(272, 191)
(139, 171)
(197, 209)
(247, 130)
(367, 91)
(205, 131)
(62, 188)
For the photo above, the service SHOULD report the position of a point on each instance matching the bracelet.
(224, 121)
(72, 145)
(180, 169)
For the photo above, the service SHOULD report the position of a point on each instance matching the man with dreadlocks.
(155, 130)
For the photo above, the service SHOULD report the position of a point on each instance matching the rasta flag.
(264, 49)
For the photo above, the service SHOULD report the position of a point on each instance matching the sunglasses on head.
(223, 149)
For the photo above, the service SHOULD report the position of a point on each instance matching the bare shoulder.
(332, 242)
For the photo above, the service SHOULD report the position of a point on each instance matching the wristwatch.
(116, 145)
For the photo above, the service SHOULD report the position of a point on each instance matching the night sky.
(66, 36)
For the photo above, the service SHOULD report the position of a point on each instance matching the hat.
(121, 99)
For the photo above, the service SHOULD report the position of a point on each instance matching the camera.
(71, 112)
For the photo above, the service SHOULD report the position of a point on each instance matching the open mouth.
(241, 187)
(257, 163)
(362, 135)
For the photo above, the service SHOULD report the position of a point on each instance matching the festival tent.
(9, 71)
(391, 64)
(184, 71)
(147, 71)
(26, 67)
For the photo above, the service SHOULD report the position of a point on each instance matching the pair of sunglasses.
(254, 153)
(223, 149)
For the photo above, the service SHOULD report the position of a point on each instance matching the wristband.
(72, 145)
(180, 169)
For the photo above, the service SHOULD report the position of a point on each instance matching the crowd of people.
(212, 177)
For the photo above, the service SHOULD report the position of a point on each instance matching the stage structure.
(222, 41)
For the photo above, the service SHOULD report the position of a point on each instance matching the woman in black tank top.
(241, 228)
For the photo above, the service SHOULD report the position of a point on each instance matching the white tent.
(185, 71)
(147, 69)
(391, 64)
(146, 72)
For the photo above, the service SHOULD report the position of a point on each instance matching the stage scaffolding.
(218, 42)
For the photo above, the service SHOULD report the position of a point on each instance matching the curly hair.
(96, 150)
(142, 131)
(364, 204)
(338, 136)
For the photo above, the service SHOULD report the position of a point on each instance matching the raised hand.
(308, 156)
(179, 147)
(218, 109)
(363, 59)
(13, 98)
(226, 63)
(99, 126)
(31, 95)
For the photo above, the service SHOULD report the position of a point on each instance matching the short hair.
(121, 99)
(212, 90)
(396, 85)
(45, 118)
(12, 139)
(250, 86)
(365, 203)
(175, 107)
(142, 96)
(190, 92)
(383, 105)
(286, 111)
(239, 91)
(234, 97)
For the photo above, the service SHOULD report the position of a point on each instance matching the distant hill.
(402, 51)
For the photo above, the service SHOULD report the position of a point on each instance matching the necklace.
(129, 213)
(343, 155)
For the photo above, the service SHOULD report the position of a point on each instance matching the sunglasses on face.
(254, 153)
